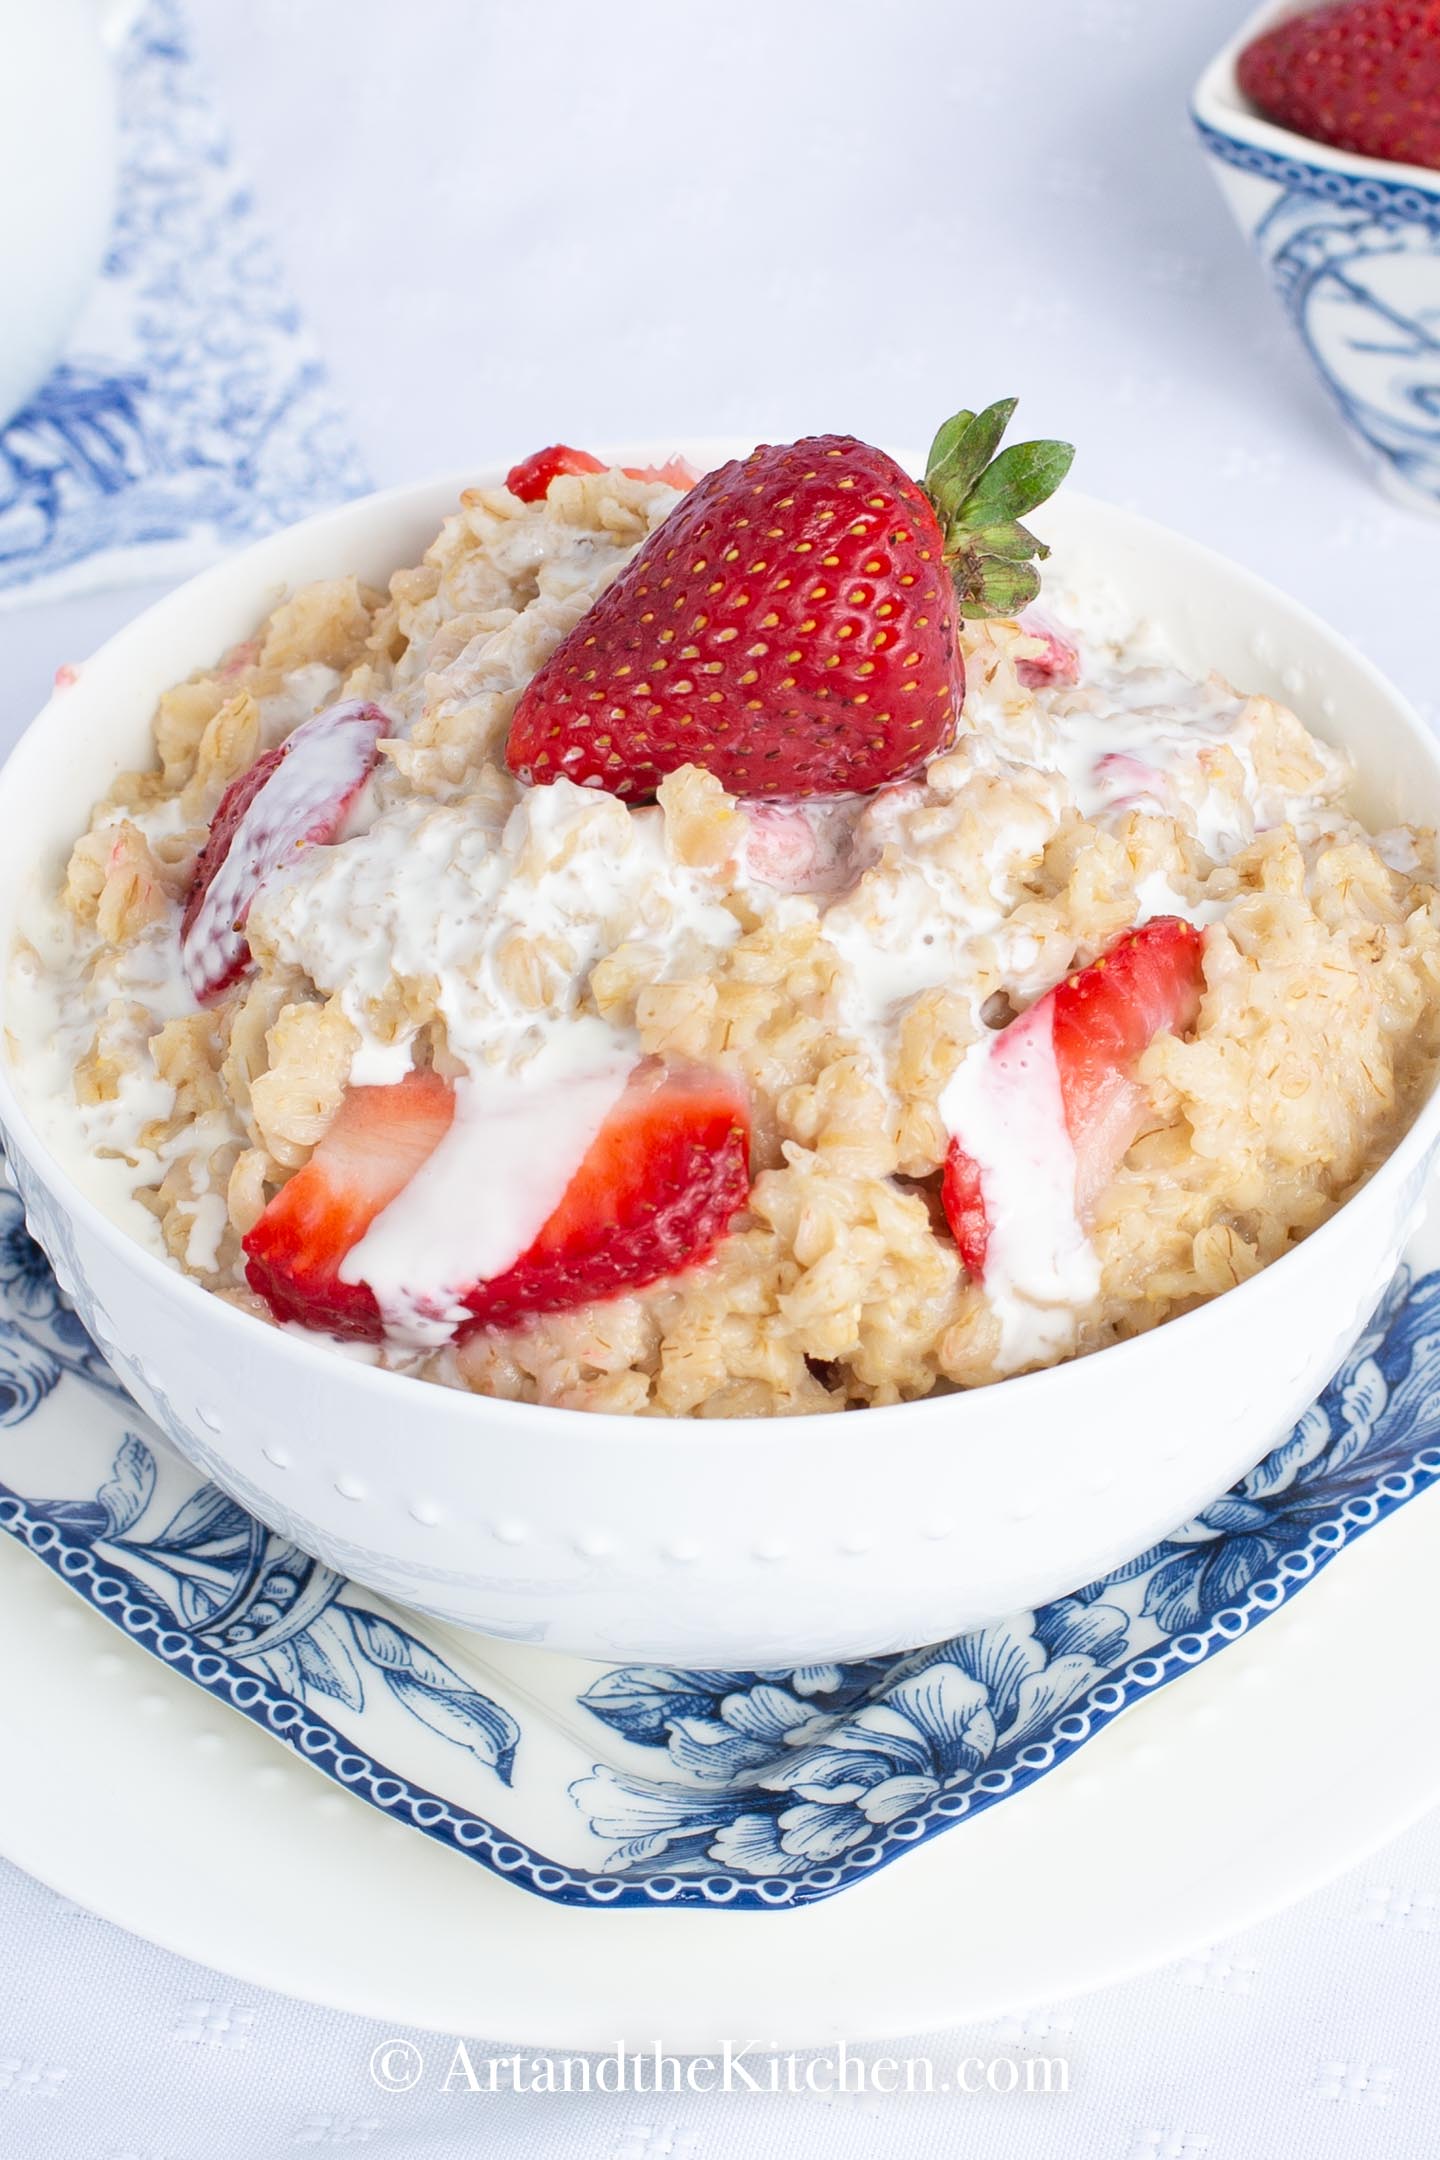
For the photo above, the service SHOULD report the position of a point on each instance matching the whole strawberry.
(1363, 75)
(790, 626)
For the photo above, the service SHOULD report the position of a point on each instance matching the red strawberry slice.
(372, 1148)
(781, 847)
(791, 625)
(1101, 1019)
(1364, 76)
(531, 478)
(676, 472)
(657, 1190)
(1124, 778)
(1060, 661)
(293, 797)
(659, 1187)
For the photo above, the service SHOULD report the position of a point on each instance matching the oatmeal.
(857, 1040)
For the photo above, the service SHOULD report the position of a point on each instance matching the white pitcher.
(57, 174)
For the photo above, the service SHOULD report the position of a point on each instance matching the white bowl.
(752, 1543)
(1352, 247)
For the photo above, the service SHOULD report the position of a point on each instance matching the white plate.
(1232, 1792)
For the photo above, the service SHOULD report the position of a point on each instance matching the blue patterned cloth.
(191, 413)
(700, 1788)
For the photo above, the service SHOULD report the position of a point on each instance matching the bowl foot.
(1402, 490)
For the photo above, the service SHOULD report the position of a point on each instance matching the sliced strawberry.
(790, 627)
(663, 1179)
(1124, 778)
(676, 472)
(658, 1188)
(531, 478)
(781, 846)
(372, 1148)
(1060, 661)
(963, 1199)
(1099, 1020)
(293, 797)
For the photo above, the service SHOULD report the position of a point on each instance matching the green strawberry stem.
(980, 498)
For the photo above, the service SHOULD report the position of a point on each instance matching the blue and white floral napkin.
(643, 1785)
(191, 412)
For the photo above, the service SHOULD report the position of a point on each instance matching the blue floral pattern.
(234, 1585)
(192, 413)
(779, 1774)
(1364, 293)
(783, 1781)
(718, 1788)
(1356, 264)
(227, 1580)
(42, 1338)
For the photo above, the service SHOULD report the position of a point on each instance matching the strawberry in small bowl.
(1322, 124)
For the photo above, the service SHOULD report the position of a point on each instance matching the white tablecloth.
(1310, 2038)
(525, 219)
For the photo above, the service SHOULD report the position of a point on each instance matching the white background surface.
(510, 222)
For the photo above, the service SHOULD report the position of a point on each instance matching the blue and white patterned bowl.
(1352, 247)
